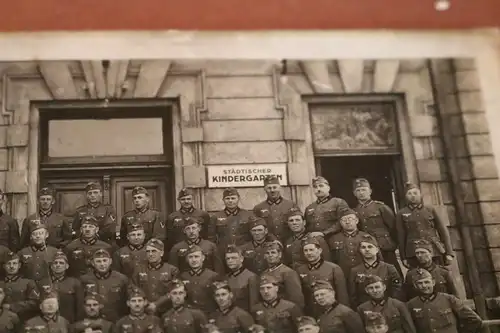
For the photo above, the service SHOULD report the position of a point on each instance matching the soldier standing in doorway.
(103, 213)
(9, 229)
(58, 226)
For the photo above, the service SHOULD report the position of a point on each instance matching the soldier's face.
(234, 261)
(423, 256)
(258, 233)
(414, 196)
(12, 266)
(154, 255)
(195, 259)
(186, 201)
(268, 292)
(425, 286)
(140, 200)
(178, 296)
(349, 222)
(377, 329)
(321, 190)
(368, 250)
(59, 266)
(223, 297)
(136, 304)
(136, 237)
(94, 196)
(102, 265)
(272, 256)
(89, 230)
(45, 202)
(273, 191)
(49, 306)
(308, 329)
(312, 252)
(376, 290)
(296, 223)
(324, 297)
(363, 193)
(92, 308)
(192, 231)
(231, 201)
(39, 236)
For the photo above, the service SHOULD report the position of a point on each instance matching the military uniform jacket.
(199, 288)
(275, 213)
(323, 215)
(254, 256)
(245, 287)
(279, 316)
(9, 322)
(80, 252)
(70, 292)
(442, 276)
(113, 289)
(36, 261)
(9, 232)
(290, 286)
(421, 222)
(232, 320)
(129, 258)
(377, 219)
(345, 249)
(213, 261)
(231, 227)
(396, 314)
(385, 271)
(442, 313)
(327, 271)
(184, 320)
(340, 319)
(175, 224)
(22, 295)
(154, 279)
(58, 225)
(293, 254)
(138, 324)
(97, 324)
(106, 218)
(41, 324)
(151, 219)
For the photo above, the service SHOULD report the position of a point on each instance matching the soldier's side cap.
(93, 186)
(369, 239)
(89, 219)
(229, 192)
(273, 245)
(36, 224)
(46, 191)
(306, 321)
(360, 182)
(410, 186)
(174, 284)
(321, 285)
(156, 243)
(48, 295)
(373, 318)
(371, 279)
(294, 211)
(233, 248)
(139, 190)
(319, 180)
(256, 328)
(423, 244)
(271, 179)
(134, 291)
(194, 249)
(347, 211)
(184, 193)
(9, 256)
(93, 295)
(101, 253)
(190, 220)
(268, 279)
(421, 274)
(216, 285)
(135, 227)
(309, 240)
(61, 255)
(256, 221)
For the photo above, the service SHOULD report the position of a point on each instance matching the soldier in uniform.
(58, 226)
(228, 317)
(244, 284)
(9, 321)
(152, 219)
(104, 214)
(198, 280)
(394, 311)
(371, 265)
(92, 320)
(439, 312)
(175, 221)
(375, 322)
(377, 219)
(181, 318)
(442, 275)
(111, 285)
(275, 208)
(49, 319)
(153, 277)
(254, 250)
(274, 313)
(9, 229)
(69, 289)
(335, 317)
(322, 216)
(192, 229)
(294, 254)
(21, 295)
(419, 221)
(137, 321)
(128, 258)
(231, 224)
(307, 325)
(287, 279)
(319, 269)
(81, 250)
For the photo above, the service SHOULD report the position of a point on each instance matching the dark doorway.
(382, 171)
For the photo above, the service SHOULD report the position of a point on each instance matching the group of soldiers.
(330, 268)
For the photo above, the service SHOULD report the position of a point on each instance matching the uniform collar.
(233, 212)
(179, 308)
(141, 211)
(155, 266)
(272, 304)
(227, 310)
(365, 204)
(136, 247)
(351, 234)
(428, 298)
(378, 302)
(35, 248)
(316, 265)
(187, 211)
(93, 205)
(331, 307)
(270, 269)
(415, 207)
(101, 276)
(59, 278)
(323, 200)
(300, 236)
(52, 318)
(274, 202)
(237, 272)
(12, 278)
(196, 242)
(256, 245)
(88, 242)
(139, 317)
(374, 265)
(45, 213)
(197, 272)
(428, 268)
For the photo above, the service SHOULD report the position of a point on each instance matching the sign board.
(244, 175)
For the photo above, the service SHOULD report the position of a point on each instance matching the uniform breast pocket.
(100, 217)
(115, 292)
(444, 318)
(337, 246)
(56, 229)
(395, 321)
(4, 232)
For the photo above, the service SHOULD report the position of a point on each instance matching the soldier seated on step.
(137, 321)
(130, 257)
(49, 319)
(92, 321)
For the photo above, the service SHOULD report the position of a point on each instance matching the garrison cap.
(90, 219)
(93, 296)
(135, 227)
(421, 274)
(306, 321)
(369, 239)
(321, 285)
(139, 190)
(410, 186)
(135, 292)
(61, 255)
(268, 279)
(184, 192)
(156, 243)
(36, 224)
(373, 318)
(310, 240)
(9, 256)
(319, 180)
(256, 328)
(232, 248)
(347, 211)
(371, 279)
(190, 220)
(271, 179)
(194, 249)
(93, 186)
(46, 191)
(360, 182)
(423, 244)
(256, 221)
(216, 285)
(273, 245)
(174, 284)
(101, 253)
(48, 295)
(229, 192)
(294, 211)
